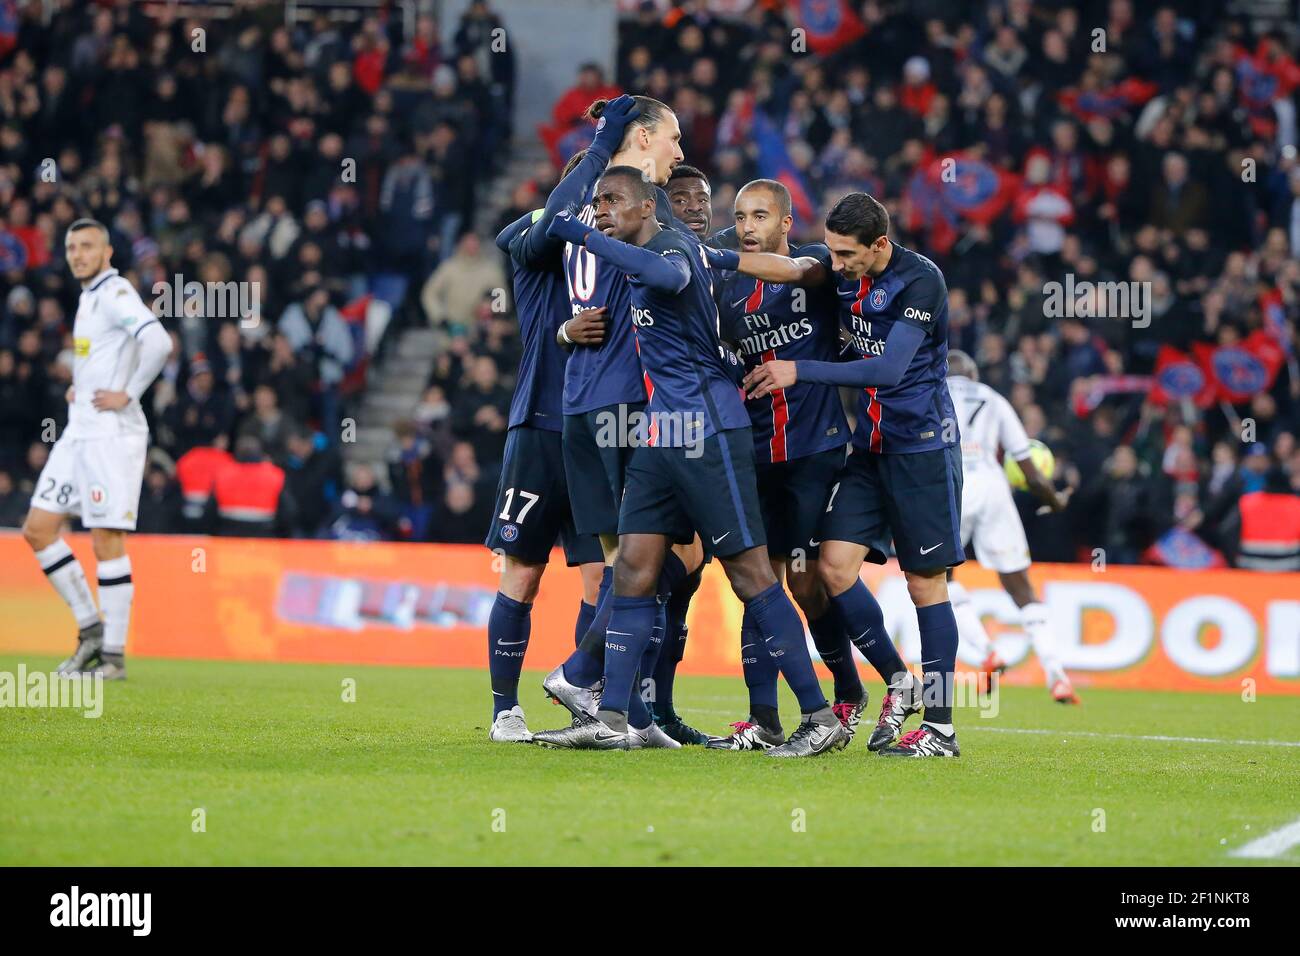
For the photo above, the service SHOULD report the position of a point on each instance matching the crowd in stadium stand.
(1167, 159)
(331, 165)
(1007, 144)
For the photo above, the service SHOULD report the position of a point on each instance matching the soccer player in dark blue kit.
(800, 435)
(532, 507)
(904, 476)
(696, 471)
(604, 395)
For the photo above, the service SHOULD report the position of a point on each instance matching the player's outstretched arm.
(884, 370)
(513, 231)
(572, 189)
(769, 267)
(668, 273)
(1040, 487)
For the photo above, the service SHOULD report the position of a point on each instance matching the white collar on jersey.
(99, 280)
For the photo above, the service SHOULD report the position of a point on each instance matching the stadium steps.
(392, 392)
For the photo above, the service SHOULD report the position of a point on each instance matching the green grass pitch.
(286, 772)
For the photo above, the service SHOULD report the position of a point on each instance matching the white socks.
(115, 594)
(1033, 618)
(64, 572)
(970, 629)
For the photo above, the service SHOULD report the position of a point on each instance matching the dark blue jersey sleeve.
(569, 194)
(511, 232)
(885, 370)
(661, 264)
(921, 299)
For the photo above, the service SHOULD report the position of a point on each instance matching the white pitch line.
(1077, 733)
(1271, 844)
(1158, 737)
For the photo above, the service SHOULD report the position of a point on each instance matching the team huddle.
(678, 401)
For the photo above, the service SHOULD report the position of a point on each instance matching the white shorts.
(99, 478)
(990, 520)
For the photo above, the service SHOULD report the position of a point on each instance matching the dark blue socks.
(587, 663)
(837, 654)
(760, 674)
(679, 603)
(938, 659)
(782, 633)
(631, 627)
(865, 625)
(509, 626)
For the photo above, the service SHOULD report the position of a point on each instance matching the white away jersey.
(987, 422)
(110, 314)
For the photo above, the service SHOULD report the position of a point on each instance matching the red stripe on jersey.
(653, 432)
(864, 286)
(873, 412)
(755, 300)
(780, 416)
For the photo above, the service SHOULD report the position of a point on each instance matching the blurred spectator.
(313, 475)
(250, 498)
(268, 424)
(13, 503)
(363, 512)
(454, 291)
(160, 503)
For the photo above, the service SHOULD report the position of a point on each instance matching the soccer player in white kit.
(989, 519)
(96, 467)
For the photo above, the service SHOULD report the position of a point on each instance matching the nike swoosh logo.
(935, 661)
(813, 544)
(717, 539)
(825, 742)
(619, 633)
(737, 305)
(742, 647)
(928, 550)
(612, 736)
(510, 643)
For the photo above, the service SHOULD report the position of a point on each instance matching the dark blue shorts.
(710, 489)
(915, 499)
(792, 496)
(532, 507)
(597, 448)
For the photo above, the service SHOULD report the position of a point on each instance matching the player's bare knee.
(108, 543)
(634, 579)
(836, 576)
(808, 592)
(749, 572)
(927, 587)
(520, 581)
(38, 531)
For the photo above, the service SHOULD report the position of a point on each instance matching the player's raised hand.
(769, 377)
(106, 401)
(613, 122)
(568, 228)
(587, 327)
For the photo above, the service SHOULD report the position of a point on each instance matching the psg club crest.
(509, 532)
(1240, 371)
(1182, 379)
(878, 299)
(98, 495)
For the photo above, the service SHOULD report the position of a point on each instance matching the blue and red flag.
(953, 188)
(1179, 377)
(1240, 372)
(774, 162)
(1178, 548)
(829, 24)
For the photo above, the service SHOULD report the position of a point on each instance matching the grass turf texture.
(288, 773)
